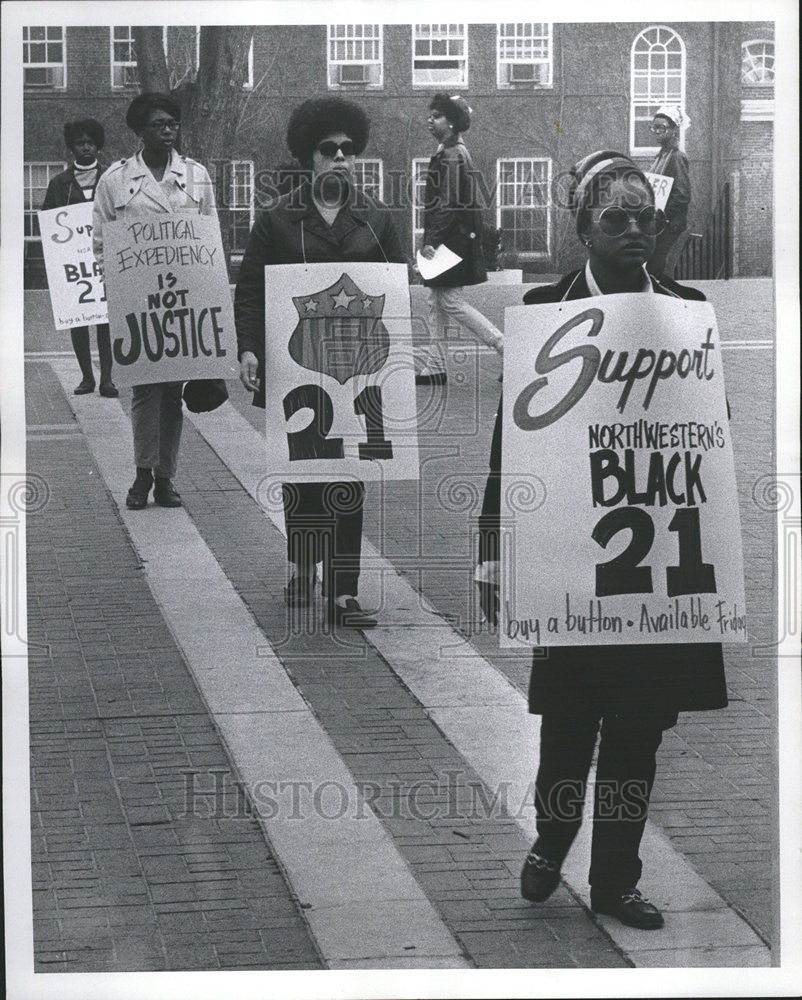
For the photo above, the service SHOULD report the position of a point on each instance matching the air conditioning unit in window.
(353, 74)
(524, 73)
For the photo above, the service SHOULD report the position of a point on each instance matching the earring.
(588, 243)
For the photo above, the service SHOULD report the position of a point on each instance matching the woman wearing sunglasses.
(671, 162)
(633, 691)
(319, 221)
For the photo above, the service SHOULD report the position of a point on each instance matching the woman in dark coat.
(317, 222)
(671, 162)
(84, 139)
(634, 691)
(452, 216)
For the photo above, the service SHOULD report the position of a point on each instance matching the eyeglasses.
(614, 221)
(168, 125)
(330, 148)
(659, 129)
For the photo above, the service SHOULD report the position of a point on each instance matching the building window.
(123, 58)
(370, 178)
(440, 55)
(44, 65)
(420, 170)
(522, 205)
(239, 202)
(355, 56)
(36, 178)
(658, 77)
(524, 55)
(757, 63)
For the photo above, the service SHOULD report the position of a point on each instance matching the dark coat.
(63, 189)
(660, 679)
(293, 232)
(452, 214)
(674, 163)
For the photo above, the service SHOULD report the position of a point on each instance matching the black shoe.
(539, 878)
(84, 387)
(629, 907)
(350, 616)
(431, 378)
(137, 498)
(165, 494)
(298, 592)
(109, 389)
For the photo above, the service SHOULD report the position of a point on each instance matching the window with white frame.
(757, 63)
(44, 63)
(239, 202)
(355, 55)
(440, 55)
(522, 205)
(123, 57)
(524, 55)
(36, 177)
(420, 170)
(370, 177)
(657, 77)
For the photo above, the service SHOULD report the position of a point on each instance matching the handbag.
(204, 394)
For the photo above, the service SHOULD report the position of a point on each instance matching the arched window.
(657, 77)
(757, 63)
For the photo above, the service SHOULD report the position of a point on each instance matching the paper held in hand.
(443, 260)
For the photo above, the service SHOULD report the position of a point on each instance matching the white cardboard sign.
(661, 185)
(620, 515)
(340, 392)
(76, 289)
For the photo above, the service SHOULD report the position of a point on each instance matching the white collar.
(594, 289)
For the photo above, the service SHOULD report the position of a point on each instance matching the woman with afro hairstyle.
(84, 139)
(319, 221)
(156, 180)
(452, 216)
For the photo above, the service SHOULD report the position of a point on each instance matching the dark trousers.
(624, 778)
(80, 344)
(324, 524)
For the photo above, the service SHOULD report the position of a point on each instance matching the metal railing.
(710, 254)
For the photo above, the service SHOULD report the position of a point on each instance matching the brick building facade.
(543, 96)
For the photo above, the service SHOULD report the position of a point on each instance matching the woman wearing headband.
(671, 162)
(318, 221)
(452, 216)
(634, 692)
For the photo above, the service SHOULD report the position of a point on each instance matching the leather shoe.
(431, 378)
(351, 615)
(165, 494)
(539, 878)
(84, 387)
(137, 498)
(109, 389)
(629, 907)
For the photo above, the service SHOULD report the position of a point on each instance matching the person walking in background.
(634, 692)
(319, 221)
(671, 162)
(156, 180)
(84, 139)
(452, 216)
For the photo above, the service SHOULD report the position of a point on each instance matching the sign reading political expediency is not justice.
(170, 309)
(615, 407)
(77, 296)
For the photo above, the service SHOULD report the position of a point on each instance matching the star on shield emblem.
(340, 331)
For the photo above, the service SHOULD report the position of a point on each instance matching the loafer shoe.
(84, 387)
(109, 389)
(630, 908)
(165, 494)
(539, 878)
(351, 615)
(137, 498)
(431, 378)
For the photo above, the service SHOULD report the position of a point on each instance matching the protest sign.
(661, 185)
(616, 404)
(77, 297)
(340, 400)
(170, 309)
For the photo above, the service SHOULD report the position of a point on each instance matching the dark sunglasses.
(614, 221)
(329, 148)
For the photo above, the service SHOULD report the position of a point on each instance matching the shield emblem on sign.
(340, 331)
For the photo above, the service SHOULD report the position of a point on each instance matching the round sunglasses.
(614, 221)
(329, 148)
